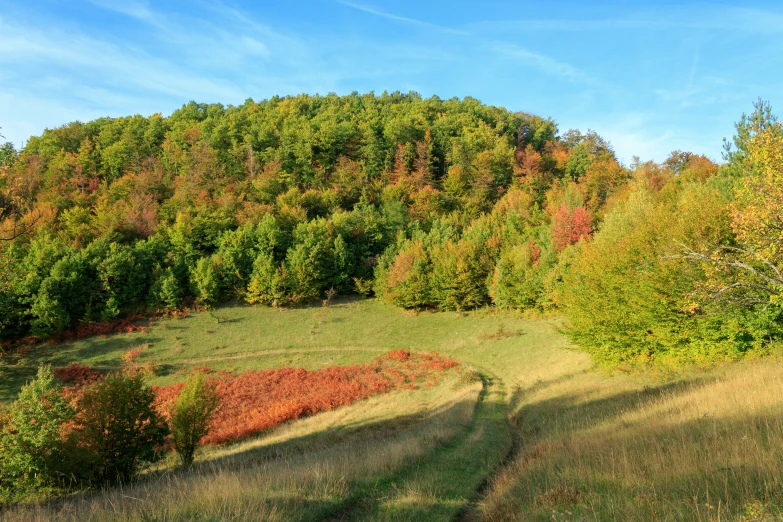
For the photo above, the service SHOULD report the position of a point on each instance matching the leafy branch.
(737, 264)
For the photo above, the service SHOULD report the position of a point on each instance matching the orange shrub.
(133, 354)
(76, 374)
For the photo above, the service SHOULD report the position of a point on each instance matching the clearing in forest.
(525, 430)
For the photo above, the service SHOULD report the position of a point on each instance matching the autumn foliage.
(570, 225)
(76, 374)
(255, 401)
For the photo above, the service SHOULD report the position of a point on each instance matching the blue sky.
(650, 78)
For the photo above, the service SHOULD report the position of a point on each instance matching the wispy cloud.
(588, 65)
(403, 19)
(546, 64)
(95, 73)
(133, 8)
(247, 23)
(685, 17)
(636, 133)
(105, 62)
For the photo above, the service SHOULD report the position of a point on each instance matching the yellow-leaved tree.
(748, 271)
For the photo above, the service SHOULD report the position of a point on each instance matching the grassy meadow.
(526, 431)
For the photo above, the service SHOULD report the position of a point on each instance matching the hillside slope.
(577, 442)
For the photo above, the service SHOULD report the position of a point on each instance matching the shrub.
(76, 373)
(120, 426)
(149, 368)
(132, 355)
(363, 286)
(254, 401)
(32, 448)
(191, 416)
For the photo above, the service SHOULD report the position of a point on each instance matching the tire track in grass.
(442, 484)
(280, 351)
(234, 357)
(471, 512)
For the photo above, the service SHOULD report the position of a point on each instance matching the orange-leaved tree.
(570, 225)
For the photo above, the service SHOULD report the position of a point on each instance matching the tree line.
(425, 203)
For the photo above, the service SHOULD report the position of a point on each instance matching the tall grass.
(705, 447)
(307, 474)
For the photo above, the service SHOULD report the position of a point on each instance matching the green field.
(535, 434)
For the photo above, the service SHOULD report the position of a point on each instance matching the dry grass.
(709, 447)
(704, 446)
(305, 471)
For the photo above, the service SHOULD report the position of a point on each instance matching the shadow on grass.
(706, 468)
(365, 433)
(579, 411)
(707, 475)
(441, 484)
(109, 347)
(12, 378)
(19, 368)
(326, 448)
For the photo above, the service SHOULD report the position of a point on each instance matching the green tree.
(309, 261)
(120, 426)
(33, 453)
(268, 283)
(8, 154)
(205, 277)
(191, 416)
(630, 298)
(746, 272)
(405, 280)
(459, 274)
(517, 281)
(237, 253)
(167, 291)
(747, 128)
(70, 293)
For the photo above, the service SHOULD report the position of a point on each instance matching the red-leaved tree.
(570, 225)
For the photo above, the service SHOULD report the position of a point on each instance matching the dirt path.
(442, 484)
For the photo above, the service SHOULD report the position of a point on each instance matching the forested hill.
(427, 203)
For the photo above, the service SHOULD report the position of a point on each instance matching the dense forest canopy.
(427, 203)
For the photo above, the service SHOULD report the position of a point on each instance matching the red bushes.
(258, 400)
(76, 374)
(397, 355)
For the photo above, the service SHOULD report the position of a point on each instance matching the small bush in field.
(363, 286)
(120, 426)
(133, 354)
(149, 368)
(77, 374)
(32, 448)
(191, 416)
